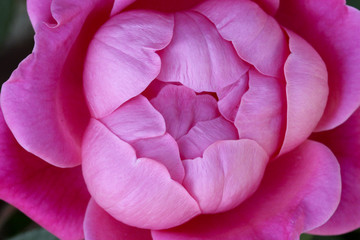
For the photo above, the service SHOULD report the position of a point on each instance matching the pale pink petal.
(203, 134)
(137, 192)
(344, 142)
(306, 89)
(136, 119)
(262, 112)
(43, 100)
(228, 173)
(299, 192)
(270, 6)
(230, 97)
(53, 197)
(121, 60)
(99, 225)
(163, 149)
(256, 36)
(333, 30)
(182, 108)
(198, 57)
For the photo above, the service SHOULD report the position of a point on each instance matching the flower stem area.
(16, 42)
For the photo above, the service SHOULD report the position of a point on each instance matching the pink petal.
(333, 30)
(262, 112)
(121, 60)
(55, 198)
(203, 134)
(43, 100)
(344, 142)
(228, 173)
(163, 149)
(182, 108)
(39, 12)
(306, 90)
(270, 6)
(136, 119)
(137, 192)
(120, 5)
(164, 5)
(299, 192)
(198, 57)
(256, 36)
(230, 97)
(99, 224)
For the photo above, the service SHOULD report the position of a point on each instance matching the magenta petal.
(270, 6)
(198, 57)
(43, 101)
(163, 149)
(344, 142)
(336, 37)
(121, 60)
(299, 192)
(306, 89)
(136, 119)
(203, 134)
(55, 198)
(262, 112)
(230, 97)
(228, 173)
(138, 192)
(99, 224)
(182, 108)
(256, 36)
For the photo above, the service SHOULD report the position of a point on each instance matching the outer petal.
(333, 30)
(137, 192)
(136, 119)
(43, 100)
(121, 60)
(262, 112)
(53, 197)
(306, 89)
(344, 142)
(299, 192)
(198, 57)
(203, 134)
(256, 36)
(227, 174)
(99, 225)
(163, 149)
(182, 108)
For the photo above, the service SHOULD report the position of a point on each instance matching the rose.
(224, 130)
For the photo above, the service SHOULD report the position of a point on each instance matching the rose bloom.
(156, 119)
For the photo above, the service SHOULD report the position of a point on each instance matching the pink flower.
(231, 119)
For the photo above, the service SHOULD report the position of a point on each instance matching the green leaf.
(354, 3)
(7, 9)
(37, 234)
(306, 237)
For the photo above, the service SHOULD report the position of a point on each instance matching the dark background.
(16, 42)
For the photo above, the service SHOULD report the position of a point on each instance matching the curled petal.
(228, 173)
(121, 60)
(137, 192)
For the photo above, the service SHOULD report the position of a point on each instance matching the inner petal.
(198, 57)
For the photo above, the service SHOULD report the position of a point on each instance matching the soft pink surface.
(136, 191)
(121, 60)
(55, 198)
(345, 143)
(333, 30)
(228, 173)
(256, 36)
(198, 57)
(299, 192)
(306, 91)
(99, 224)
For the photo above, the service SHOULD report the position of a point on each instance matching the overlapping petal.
(299, 192)
(138, 192)
(121, 60)
(55, 198)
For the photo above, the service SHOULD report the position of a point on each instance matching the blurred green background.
(16, 42)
